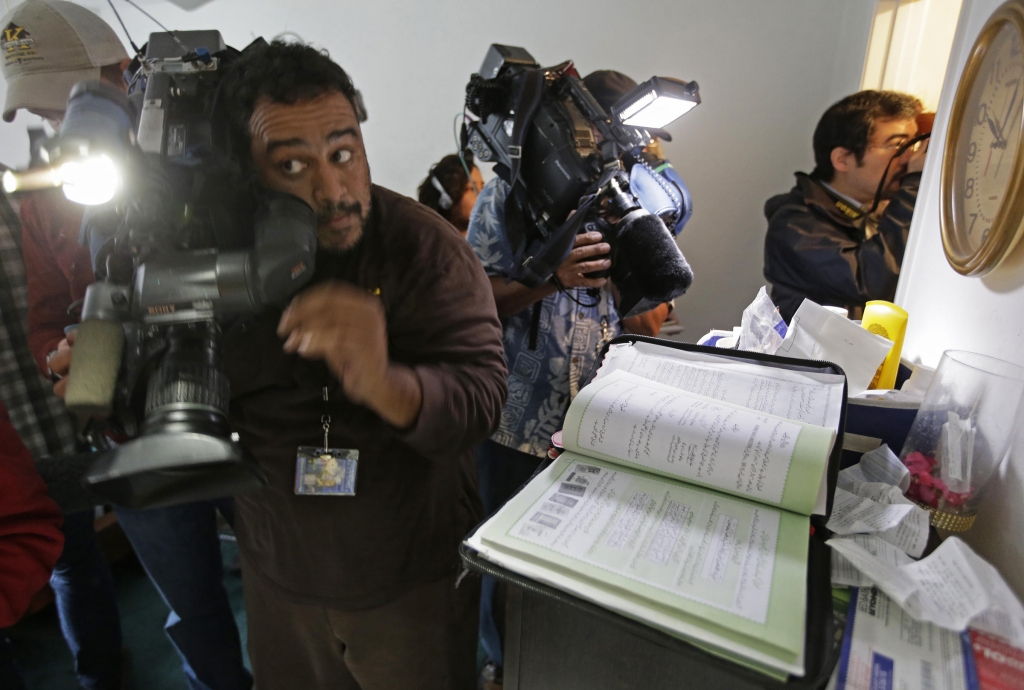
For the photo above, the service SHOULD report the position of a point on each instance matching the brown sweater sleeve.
(465, 385)
(444, 324)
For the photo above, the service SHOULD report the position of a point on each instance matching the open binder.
(655, 515)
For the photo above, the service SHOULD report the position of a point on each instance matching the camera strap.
(526, 105)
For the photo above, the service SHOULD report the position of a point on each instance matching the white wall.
(950, 311)
(767, 71)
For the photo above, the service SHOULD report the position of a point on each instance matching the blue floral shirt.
(541, 382)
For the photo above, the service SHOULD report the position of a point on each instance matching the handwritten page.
(697, 545)
(627, 418)
(953, 587)
(806, 397)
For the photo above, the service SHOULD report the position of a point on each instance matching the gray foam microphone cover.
(94, 367)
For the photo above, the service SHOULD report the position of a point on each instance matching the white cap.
(48, 46)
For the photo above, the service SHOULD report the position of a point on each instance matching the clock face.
(990, 135)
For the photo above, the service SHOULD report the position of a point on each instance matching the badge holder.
(326, 471)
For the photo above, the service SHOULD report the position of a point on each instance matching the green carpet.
(44, 659)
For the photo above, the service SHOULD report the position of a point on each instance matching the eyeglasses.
(913, 145)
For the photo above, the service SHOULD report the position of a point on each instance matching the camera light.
(10, 182)
(657, 102)
(90, 181)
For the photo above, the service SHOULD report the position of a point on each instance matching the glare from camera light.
(656, 113)
(10, 182)
(90, 181)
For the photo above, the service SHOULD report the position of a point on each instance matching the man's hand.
(916, 162)
(346, 328)
(512, 298)
(582, 260)
(60, 364)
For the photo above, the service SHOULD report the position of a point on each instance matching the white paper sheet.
(806, 397)
(853, 514)
(880, 465)
(845, 574)
(889, 649)
(816, 333)
(953, 587)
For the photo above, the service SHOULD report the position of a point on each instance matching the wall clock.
(982, 186)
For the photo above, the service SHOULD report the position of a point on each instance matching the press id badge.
(326, 471)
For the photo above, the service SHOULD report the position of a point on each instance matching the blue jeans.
(179, 548)
(501, 471)
(87, 605)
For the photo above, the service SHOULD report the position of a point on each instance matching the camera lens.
(189, 389)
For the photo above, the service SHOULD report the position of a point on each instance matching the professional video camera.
(539, 124)
(183, 243)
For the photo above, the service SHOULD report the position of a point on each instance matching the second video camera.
(561, 151)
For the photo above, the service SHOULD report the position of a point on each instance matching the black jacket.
(816, 247)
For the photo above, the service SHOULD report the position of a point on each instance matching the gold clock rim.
(1007, 226)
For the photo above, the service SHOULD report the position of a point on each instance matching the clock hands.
(1006, 118)
(998, 143)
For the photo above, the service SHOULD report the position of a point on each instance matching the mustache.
(326, 212)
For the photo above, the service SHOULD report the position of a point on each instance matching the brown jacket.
(416, 495)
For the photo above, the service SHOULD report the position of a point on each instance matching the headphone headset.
(445, 201)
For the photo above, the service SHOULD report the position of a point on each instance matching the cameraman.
(394, 344)
(177, 546)
(552, 338)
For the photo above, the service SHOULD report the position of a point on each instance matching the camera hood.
(168, 468)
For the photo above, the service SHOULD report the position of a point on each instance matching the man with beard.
(394, 351)
(827, 241)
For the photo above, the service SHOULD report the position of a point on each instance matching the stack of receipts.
(869, 500)
(879, 530)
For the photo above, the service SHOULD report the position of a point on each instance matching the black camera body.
(189, 246)
(561, 151)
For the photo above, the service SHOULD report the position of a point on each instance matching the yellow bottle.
(889, 321)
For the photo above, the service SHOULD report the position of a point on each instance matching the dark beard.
(336, 241)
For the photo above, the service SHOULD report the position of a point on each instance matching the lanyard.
(325, 419)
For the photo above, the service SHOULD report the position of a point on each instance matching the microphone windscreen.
(647, 255)
(95, 363)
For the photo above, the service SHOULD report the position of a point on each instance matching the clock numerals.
(982, 114)
(974, 219)
(984, 235)
(972, 151)
(969, 188)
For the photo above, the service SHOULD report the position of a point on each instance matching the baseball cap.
(47, 47)
(608, 86)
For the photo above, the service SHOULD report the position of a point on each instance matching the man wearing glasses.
(838, 236)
